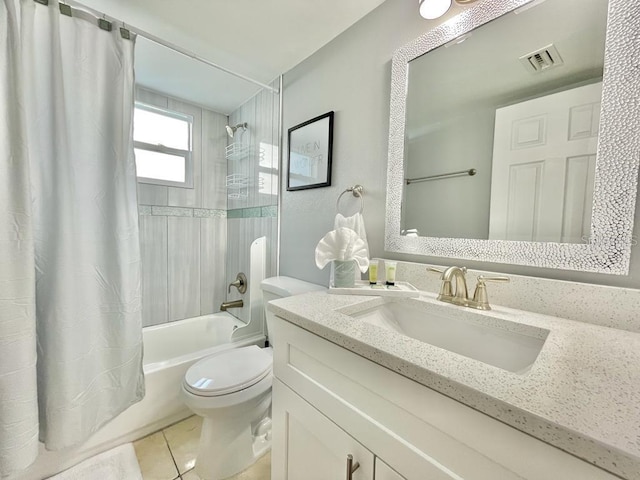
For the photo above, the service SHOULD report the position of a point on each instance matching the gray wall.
(457, 206)
(351, 75)
(254, 214)
(183, 231)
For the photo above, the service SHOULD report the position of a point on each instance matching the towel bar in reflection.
(471, 172)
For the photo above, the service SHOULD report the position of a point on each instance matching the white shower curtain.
(18, 400)
(76, 93)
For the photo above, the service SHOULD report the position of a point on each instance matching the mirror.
(505, 117)
(499, 149)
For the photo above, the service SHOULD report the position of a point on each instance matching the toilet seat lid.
(228, 372)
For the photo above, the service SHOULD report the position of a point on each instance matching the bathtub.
(184, 341)
(169, 350)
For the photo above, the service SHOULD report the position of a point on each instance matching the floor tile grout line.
(176, 423)
(172, 457)
(191, 469)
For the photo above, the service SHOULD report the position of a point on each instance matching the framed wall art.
(310, 145)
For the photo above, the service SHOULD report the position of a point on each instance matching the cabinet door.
(307, 445)
(385, 472)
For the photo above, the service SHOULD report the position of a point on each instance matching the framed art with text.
(310, 145)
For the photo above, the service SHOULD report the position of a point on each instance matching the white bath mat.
(119, 463)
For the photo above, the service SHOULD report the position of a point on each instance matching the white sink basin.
(458, 331)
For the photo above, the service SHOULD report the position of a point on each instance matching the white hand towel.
(355, 223)
(342, 244)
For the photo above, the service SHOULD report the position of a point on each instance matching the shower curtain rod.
(170, 46)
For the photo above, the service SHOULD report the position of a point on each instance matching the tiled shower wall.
(183, 231)
(254, 213)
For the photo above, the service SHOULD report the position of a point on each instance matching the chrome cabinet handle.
(351, 467)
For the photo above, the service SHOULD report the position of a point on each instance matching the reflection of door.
(544, 155)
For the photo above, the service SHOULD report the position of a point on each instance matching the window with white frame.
(162, 144)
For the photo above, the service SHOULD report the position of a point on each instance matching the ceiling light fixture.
(432, 9)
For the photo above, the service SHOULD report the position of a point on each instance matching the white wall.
(351, 75)
(441, 207)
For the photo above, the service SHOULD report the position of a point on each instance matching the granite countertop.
(582, 394)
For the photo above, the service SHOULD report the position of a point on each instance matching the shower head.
(232, 130)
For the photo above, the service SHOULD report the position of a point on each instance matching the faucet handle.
(480, 297)
(240, 283)
(435, 270)
(445, 289)
(441, 270)
(482, 279)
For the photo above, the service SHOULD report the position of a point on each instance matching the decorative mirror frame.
(617, 161)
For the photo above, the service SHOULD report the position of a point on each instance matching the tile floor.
(170, 454)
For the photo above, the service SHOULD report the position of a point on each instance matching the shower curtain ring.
(104, 24)
(65, 9)
(124, 32)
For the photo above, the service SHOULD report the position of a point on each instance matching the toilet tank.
(280, 287)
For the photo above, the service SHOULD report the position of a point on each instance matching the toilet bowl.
(231, 391)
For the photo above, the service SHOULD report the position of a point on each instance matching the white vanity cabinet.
(384, 472)
(329, 402)
(316, 448)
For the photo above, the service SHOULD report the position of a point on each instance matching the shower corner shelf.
(237, 195)
(236, 181)
(236, 151)
(237, 186)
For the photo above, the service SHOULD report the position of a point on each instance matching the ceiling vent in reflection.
(542, 59)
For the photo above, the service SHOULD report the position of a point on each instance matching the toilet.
(231, 391)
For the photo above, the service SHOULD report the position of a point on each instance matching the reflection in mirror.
(532, 209)
(516, 102)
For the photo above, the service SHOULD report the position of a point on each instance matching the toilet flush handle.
(240, 283)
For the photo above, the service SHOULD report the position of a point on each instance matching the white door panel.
(543, 167)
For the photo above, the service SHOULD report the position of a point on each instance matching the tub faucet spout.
(234, 304)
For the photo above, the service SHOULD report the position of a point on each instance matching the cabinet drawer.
(418, 432)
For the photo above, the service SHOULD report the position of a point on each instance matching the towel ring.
(357, 191)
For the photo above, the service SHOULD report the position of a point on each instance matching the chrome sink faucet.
(460, 297)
